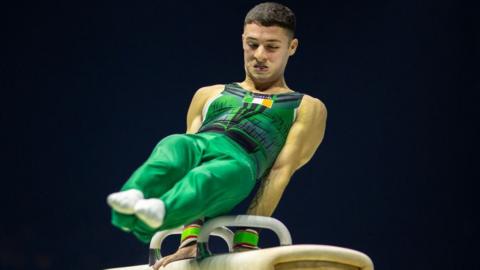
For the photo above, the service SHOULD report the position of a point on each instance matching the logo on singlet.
(263, 100)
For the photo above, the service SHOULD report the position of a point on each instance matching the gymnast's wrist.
(190, 234)
(246, 239)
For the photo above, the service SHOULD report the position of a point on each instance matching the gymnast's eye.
(252, 45)
(272, 47)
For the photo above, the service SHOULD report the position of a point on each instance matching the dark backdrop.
(87, 89)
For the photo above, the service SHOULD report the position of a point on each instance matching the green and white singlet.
(258, 122)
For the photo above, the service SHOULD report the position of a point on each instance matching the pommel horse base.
(285, 257)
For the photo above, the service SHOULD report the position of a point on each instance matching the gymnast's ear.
(292, 47)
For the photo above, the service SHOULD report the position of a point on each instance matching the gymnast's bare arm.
(303, 139)
(201, 97)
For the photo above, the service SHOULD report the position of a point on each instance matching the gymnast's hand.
(187, 252)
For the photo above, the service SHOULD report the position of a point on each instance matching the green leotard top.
(258, 122)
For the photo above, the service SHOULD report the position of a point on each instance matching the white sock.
(124, 201)
(151, 211)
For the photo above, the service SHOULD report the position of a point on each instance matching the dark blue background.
(87, 89)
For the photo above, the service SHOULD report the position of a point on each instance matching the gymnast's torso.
(258, 122)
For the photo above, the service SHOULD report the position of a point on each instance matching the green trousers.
(195, 175)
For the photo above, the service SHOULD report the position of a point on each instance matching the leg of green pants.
(171, 159)
(207, 180)
(223, 179)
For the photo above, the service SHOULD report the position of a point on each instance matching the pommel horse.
(284, 257)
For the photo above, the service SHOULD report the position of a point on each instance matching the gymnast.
(237, 134)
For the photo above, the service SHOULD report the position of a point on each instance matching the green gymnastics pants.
(195, 175)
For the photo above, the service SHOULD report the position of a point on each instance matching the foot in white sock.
(124, 201)
(151, 211)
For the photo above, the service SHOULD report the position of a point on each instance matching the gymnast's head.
(268, 41)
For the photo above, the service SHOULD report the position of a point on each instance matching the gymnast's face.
(266, 50)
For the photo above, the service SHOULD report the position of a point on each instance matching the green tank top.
(258, 122)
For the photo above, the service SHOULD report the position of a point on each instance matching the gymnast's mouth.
(260, 67)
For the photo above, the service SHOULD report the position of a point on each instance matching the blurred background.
(89, 88)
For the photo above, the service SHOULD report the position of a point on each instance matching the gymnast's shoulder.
(312, 107)
(210, 90)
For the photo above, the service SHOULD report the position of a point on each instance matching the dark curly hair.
(270, 14)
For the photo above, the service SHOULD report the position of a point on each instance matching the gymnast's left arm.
(303, 139)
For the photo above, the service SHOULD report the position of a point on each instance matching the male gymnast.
(237, 134)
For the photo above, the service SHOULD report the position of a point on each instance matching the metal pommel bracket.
(157, 240)
(275, 225)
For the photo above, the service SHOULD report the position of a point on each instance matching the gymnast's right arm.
(194, 115)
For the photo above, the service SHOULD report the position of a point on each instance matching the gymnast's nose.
(260, 54)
